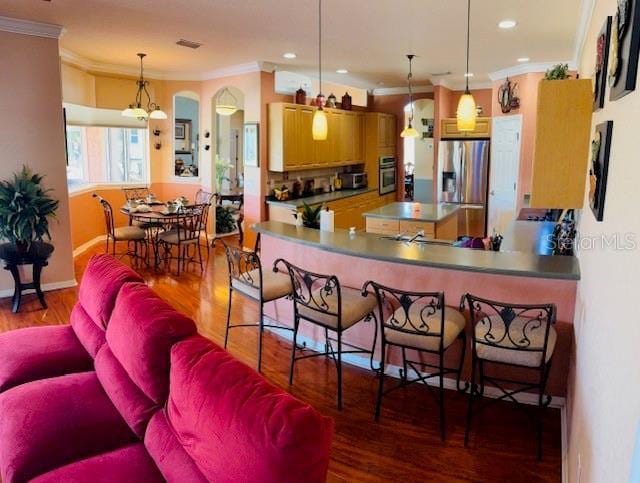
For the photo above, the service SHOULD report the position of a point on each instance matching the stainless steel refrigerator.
(463, 177)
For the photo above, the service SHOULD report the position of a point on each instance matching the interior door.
(503, 177)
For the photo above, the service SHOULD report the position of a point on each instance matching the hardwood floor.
(404, 446)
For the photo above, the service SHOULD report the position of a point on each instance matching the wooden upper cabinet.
(386, 130)
(561, 151)
(449, 129)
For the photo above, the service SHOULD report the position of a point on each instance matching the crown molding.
(528, 68)
(393, 91)
(461, 85)
(586, 13)
(29, 27)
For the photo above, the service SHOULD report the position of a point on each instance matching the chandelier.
(151, 109)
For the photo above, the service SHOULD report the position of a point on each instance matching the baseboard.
(85, 246)
(564, 436)
(46, 287)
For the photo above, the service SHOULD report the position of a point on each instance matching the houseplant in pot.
(25, 209)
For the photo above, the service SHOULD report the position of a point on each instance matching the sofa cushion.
(132, 404)
(100, 284)
(36, 353)
(238, 427)
(49, 423)
(167, 452)
(90, 335)
(128, 464)
(142, 329)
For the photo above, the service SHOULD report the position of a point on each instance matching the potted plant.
(225, 222)
(558, 72)
(222, 170)
(310, 216)
(25, 209)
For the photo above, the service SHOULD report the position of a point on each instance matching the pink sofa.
(163, 403)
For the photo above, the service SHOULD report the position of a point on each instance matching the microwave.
(353, 180)
(388, 175)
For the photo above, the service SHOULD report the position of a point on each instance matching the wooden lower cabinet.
(383, 226)
(446, 229)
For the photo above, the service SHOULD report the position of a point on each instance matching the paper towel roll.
(326, 220)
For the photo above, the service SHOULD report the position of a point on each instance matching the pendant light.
(319, 126)
(152, 110)
(226, 103)
(467, 111)
(409, 131)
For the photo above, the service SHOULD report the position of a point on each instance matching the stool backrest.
(510, 326)
(409, 312)
(108, 214)
(318, 292)
(136, 193)
(242, 264)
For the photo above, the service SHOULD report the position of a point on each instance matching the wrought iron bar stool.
(513, 335)
(321, 300)
(247, 277)
(420, 321)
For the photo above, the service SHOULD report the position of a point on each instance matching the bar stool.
(512, 335)
(321, 300)
(420, 321)
(248, 279)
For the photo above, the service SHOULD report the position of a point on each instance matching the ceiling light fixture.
(226, 103)
(507, 24)
(409, 131)
(342, 71)
(319, 125)
(152, 110)
(523, 59)
(467, 112)
(289, 55)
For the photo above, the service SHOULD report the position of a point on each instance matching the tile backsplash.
(322, 177)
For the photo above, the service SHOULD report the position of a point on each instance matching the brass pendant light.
(409, 131)
(136, 109)
(467, 113)
(320, 125)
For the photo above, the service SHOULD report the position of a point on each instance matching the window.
(106, 155)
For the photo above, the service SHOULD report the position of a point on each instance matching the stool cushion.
(130, 463)
(504, 350)
(355, 307)
(276, 285)
(130, 233)
(454, 323)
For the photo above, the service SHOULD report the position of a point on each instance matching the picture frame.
(625, 49)
(599, 171)
(182, 136)
(603, 42)
(251, 144)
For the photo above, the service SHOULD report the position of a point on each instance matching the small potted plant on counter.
(310, 216)
(25, 209)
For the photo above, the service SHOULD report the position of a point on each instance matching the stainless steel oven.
(388, 175)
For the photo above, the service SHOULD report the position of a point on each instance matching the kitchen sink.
(415, 239)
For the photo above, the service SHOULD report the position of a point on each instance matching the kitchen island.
(438, 221)
(518, 277)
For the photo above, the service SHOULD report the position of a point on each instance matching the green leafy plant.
(222, 172)
(557, 72)
(311, 216)
(225, 223)
(25, 208)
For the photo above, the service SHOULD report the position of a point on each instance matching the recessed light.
(524, 59)
(342, 71)
(507, 24)
(469, 74)
(289, 55)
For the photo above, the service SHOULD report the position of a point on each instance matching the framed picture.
(602, 62)
(600, 151)
(182, 136)
(625, 49)
(251, 154)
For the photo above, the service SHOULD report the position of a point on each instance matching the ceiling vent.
(188, 43)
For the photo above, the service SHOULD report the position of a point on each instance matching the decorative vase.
(331, 101)
(301, 96)
(346, 102)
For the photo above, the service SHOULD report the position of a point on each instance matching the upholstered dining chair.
(184, 234)
(319, 299)
(128, 234)
(247, 277)
(511, 335)
(418, 321)
(138, 193)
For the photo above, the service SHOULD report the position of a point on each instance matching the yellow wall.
(33, 134)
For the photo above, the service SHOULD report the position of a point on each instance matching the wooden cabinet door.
(290, 137)
(449, 129)
(307, 147)
(358, 138)
(336, 133)
(347, 154)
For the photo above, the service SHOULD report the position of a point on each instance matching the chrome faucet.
(419, 233)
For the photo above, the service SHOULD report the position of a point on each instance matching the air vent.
(440, 74)
(188, 43)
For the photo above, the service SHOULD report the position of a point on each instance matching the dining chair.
(205, 198)
(185, 233)
(137, 193)
(319, 299)
(129, 234)
(513, 336)
(418, 321)
(247, 278)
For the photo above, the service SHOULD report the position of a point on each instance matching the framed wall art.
(625, 48)
(602, 62)
(251, 144)
(600, 151)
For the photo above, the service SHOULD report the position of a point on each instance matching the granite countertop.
(321, 198)
(432, 213)
(374, 246)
